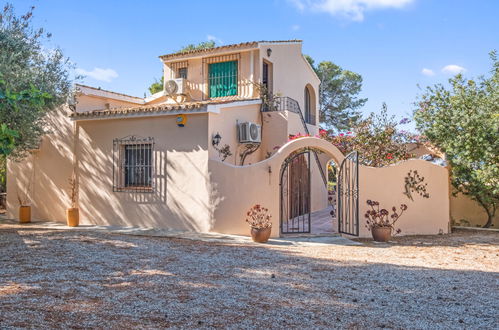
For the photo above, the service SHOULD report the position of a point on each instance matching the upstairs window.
(222, 79)
(182, 73)
(133, 159)
(265, 75)
(309, 106)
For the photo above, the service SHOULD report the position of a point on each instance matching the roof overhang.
(244, 46)
(161, 110)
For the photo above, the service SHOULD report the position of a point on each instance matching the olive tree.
(34, 80)
(462, 120)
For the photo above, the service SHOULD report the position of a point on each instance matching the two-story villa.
(150, 161)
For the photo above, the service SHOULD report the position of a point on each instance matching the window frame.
(309, 106)
(143, 162)
(180, 72)
(234, 78)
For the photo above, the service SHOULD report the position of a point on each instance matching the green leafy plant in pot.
(259, 220)
(380, 222)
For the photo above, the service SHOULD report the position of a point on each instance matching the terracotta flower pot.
(381, 234)
(24, 214)
(260, 235)
(73, 216)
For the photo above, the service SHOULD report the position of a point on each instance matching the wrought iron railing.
(284, 103)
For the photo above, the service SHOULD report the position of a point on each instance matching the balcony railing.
(283, 103)
(288, 104)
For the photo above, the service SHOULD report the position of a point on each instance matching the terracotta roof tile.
(157, 108)
(241, 45)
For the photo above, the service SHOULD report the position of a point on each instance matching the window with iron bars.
(222, 79)
(133, 164)
(182, 73)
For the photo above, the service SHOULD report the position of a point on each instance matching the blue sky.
(394, 44)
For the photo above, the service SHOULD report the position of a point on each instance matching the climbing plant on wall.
(414, 183)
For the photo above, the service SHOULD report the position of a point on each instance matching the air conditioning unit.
(176, 87)
(250, 133)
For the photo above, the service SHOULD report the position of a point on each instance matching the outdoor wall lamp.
(269, 51)
(216, 139)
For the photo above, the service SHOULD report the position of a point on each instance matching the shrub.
(382, 218)
(259, 217)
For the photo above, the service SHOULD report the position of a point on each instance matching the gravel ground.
(89, 279)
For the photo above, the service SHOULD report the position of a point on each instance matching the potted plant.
(380, 222)
(73, 213)
(24, 208)
(258, 218)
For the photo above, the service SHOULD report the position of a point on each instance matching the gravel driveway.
(81, 279)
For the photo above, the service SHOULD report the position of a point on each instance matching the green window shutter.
(222, 79)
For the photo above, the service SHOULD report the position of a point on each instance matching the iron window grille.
(222, 79)
(182, 73)
(133, 164)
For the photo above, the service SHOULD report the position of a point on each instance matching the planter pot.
(73, 216)
(260, 235)
(381, 234)
(24, 214)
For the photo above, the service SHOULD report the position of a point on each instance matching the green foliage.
(338, 95)
(7, 140)
(3, 173)
(463, 122)
(377, 139)
(157, 86)
(199, 46)
(33, 80)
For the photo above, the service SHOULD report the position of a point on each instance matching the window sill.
(137, 189)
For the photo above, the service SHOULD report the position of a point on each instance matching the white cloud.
(428, 72)
(351, 9)
(218, 41)
(295, 27)
(99, 74)
(453, 69)
(299, 4)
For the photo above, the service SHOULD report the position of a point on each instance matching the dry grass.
(75, 279)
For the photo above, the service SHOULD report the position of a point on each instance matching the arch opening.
(307, 206)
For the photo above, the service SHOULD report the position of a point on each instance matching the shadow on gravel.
(458, 238)
(52, 278)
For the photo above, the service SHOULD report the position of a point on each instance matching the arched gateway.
(297, 214)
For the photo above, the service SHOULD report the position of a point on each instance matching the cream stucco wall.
(225, 123)
(291, 72)
(90, 103)
(181, 199)
(467, 212)
(424, 216)
(240, 187)
(45, 173)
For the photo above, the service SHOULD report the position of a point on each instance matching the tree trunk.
(490, 217)
(490, 213)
